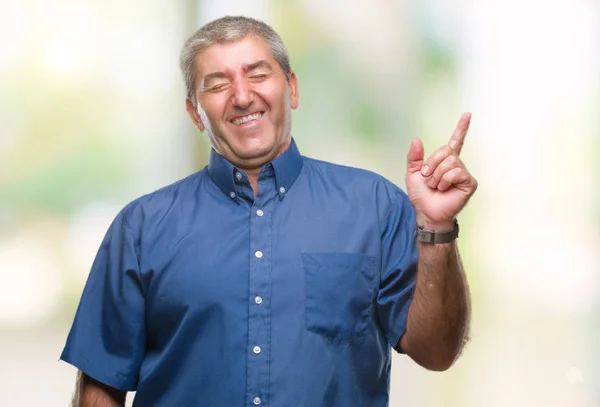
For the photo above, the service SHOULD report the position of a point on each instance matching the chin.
(255, 148)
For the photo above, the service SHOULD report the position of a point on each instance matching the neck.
(253, 178)
(254, 171)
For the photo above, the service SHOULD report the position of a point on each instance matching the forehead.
(233, 56)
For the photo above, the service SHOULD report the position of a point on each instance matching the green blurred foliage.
(65, 153)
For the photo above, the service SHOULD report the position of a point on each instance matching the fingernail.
(425, 170)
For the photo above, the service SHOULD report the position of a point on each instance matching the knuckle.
(455, 160)
(440, 154)
(447, 176)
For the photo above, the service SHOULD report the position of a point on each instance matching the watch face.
(424, 236)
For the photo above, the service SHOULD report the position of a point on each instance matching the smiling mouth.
(245, 119)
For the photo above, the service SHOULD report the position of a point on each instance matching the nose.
(242, 94)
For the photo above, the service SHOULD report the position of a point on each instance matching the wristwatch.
(429, 236)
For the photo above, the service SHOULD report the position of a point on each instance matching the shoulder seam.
(398, 197)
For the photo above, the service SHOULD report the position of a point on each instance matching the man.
(269, 278)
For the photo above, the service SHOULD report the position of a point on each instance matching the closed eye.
(258, 77)
(217, 87)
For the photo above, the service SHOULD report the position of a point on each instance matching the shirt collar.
(287, 168)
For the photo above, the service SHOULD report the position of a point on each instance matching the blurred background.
(92, 116)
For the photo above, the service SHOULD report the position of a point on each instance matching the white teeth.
(241, 120)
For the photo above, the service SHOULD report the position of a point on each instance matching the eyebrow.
(258, 64)
(248, 67)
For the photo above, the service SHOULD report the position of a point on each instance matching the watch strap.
(432, 237)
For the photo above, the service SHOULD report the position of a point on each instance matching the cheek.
(275, 99)
(213, 106)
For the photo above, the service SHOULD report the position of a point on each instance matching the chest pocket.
(339, 289)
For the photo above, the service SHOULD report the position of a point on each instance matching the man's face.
(244, 102)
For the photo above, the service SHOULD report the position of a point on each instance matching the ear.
(293, 84)
(193, 112)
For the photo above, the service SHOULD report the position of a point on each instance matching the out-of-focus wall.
(92, 116)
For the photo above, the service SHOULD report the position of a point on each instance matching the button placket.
(259, 321)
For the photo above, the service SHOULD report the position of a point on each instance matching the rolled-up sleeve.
(398, 267)
(107, 339)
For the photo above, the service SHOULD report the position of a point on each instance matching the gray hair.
(223, 30)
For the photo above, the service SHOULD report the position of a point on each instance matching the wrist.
(435, 233)
(435, 226)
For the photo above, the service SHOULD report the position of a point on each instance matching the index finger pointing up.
(458, 137)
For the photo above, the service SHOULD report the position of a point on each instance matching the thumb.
(414, 159)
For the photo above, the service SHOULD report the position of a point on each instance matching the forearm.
(439, 315)
(91, 393)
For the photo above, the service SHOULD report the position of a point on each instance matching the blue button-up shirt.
(202, 294)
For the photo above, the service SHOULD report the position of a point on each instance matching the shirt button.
(256, 349)
(238, 175)
(258, 254)
(258, 299)
(282, 190)
(256, 401)
(232, 194)
(260, 212)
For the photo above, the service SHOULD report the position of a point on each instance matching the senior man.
(269, 278)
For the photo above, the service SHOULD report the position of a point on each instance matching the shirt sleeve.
(107, 339)
(398, 267)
